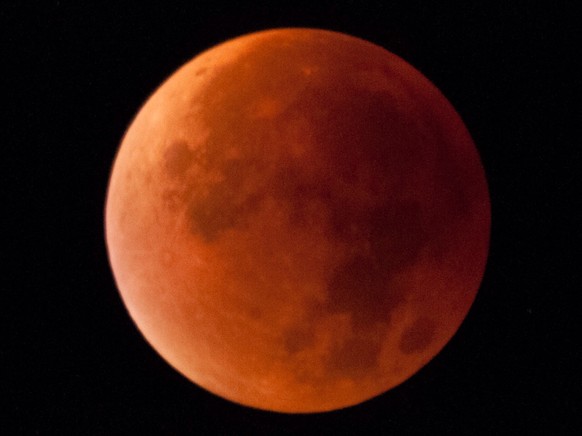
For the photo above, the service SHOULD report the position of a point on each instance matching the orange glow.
(297, 220)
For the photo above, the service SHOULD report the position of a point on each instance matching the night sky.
(73, 77)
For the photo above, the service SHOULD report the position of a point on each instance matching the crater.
(418, 336)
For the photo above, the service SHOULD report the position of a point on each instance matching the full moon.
(297, 220)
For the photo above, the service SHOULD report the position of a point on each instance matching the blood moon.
(297, 220)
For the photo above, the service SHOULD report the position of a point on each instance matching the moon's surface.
(297, 220)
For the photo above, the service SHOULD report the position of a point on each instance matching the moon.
(297, 220)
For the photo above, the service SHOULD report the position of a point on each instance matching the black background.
(74, 75)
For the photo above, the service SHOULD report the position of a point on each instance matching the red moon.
(297, 220)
